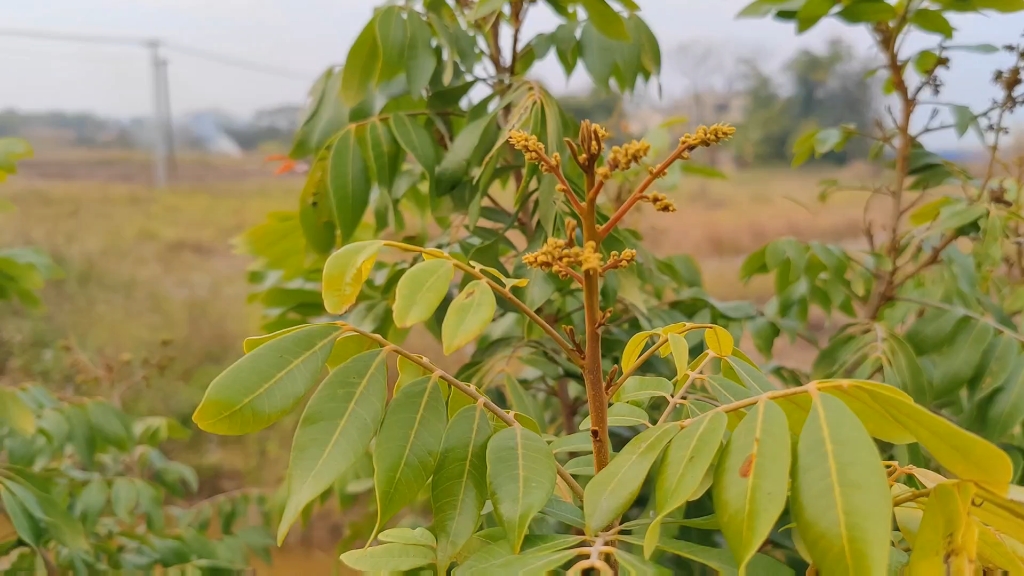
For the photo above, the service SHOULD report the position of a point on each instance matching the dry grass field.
(153, 274)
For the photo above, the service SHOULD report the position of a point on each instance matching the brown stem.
(593, 374)
(638, 194)
(884, 289)
(461, 387)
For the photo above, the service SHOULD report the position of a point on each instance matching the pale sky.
(308, 35)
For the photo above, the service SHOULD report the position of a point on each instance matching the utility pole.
(160, 151)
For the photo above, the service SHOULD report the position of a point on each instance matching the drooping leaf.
(420, 60)
(416, 141)
(410, 437)
(942, 527)
(932, 21)
(345, 272)
(362, 65)
(335, 430)
(421, 290)
(748, 375)
(459, 486)
(348, 181)
(520, 478)
(607, 21)
(521, 400)
(267, 383)
(841, 500)
(680, 354)
(391, 557)
(383, 153)
(719, 341)
(613, 489)
(468, 316)
(634, 347)
(392, 37)
(749, 489)
(687, 460)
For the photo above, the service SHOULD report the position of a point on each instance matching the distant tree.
(820, 88)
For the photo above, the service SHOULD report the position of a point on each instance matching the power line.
(151, 43)
(238, 62)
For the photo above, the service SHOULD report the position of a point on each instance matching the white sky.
(307, 35)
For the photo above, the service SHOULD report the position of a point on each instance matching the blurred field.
(153, 274)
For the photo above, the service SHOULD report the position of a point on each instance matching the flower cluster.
(706, 136)
(561, 257)
(660, 202)
(533, 150)
(629, 154)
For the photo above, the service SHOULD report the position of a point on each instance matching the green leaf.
(717, 558)
(459, 486)
(811, 12)
(15, 413)
(27, 528)
(392, 40)
(347, 347)
(841, 500)
(485, 8)
(362, 65)
(613, 489)
(964, 120)
(529, 562)
(749, 375)
(637, 566)
(606, 20)
(963, 453)
(335, 430)
(91, 501)
(455, 164)
(123, 498)
(110, 424)
(420, 60)
(577, 442)
(942, 524)
(348, 181)
(390, 557)
(383, 153)
(702, 170)
(416, 141)
(421, 290)
(719, 341)
(345, 272)
(621, 414)
(558, 509)
(267, 383)
(596, 50)
(686, 462)
(867, 11)
(932, 21)
(521, 400)
(468, 316)
(749, 489)
(1006, 409)
(412, 431)
(418, 536)
(643, 387)
(520, 477)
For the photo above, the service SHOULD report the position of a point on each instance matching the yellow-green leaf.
(633, 349)
(347, 347)
(521, 477)
(15, 413)
(687, 459)
(749, 489)
(614, 488)
(943, 523)
(841, 500)
(459, 486)
(643, 387)
(621, 414)
(391, 557)
(345, 272)
(335, 430)
(719, 341)
(267, 383)
(680, 354)
(253, 342)
(414, 137)
(468, 316)
(410, 437)
(409, 371)
(748, 375)
(966, 455)
(421, 290)
(419, 536)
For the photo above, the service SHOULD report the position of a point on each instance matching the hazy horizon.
(307, 36)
